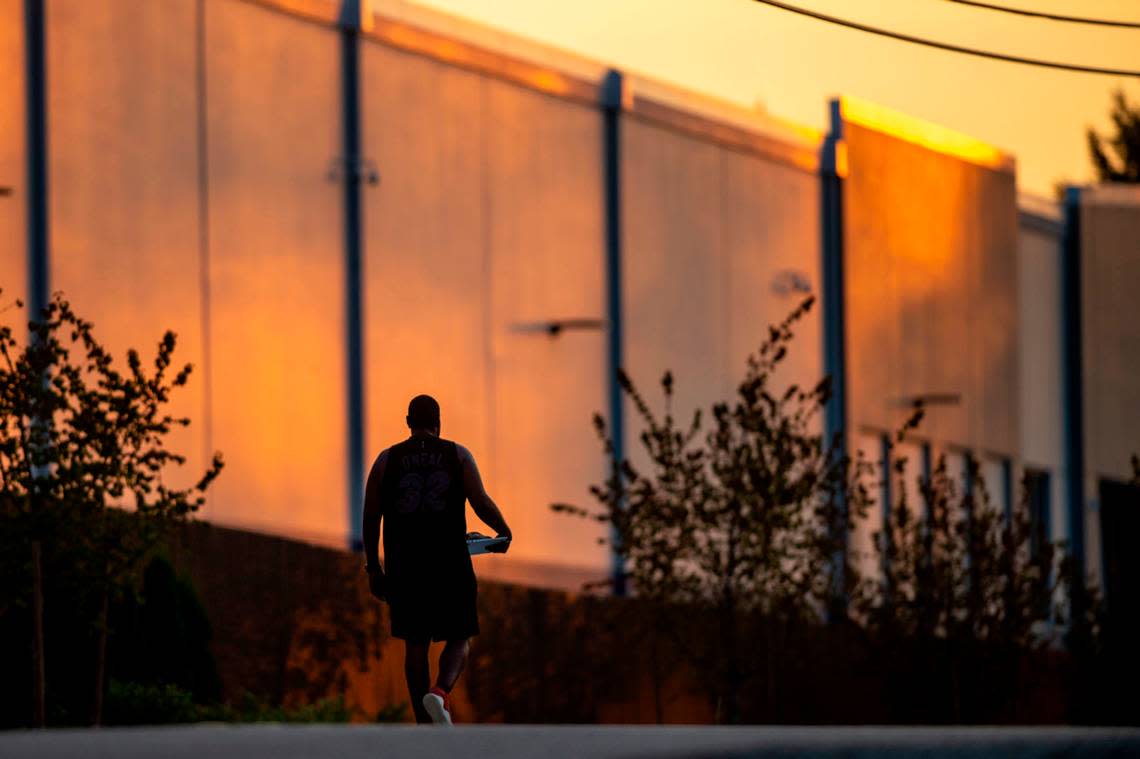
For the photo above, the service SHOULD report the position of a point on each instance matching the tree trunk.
(730, 701)
(39, 715)
(100, 663)
(770, 670)
(728, 624)
(730, 679)
(655, 655)
(956, 690)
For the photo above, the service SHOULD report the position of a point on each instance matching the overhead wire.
(1049, 16)
(1076, 67)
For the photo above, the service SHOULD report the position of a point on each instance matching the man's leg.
(419, 677)
(451, 663)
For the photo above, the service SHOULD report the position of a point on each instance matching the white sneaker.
(438, 707)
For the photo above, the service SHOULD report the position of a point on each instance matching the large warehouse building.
(337, 209)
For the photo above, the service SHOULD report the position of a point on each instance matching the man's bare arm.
(473, 488)
(373, 511)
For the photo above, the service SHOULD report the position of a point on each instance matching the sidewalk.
(552, 742)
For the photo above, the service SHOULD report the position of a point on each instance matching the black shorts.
(437, 609)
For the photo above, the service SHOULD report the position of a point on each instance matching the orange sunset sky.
(746, 53)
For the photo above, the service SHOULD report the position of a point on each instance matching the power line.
(1049, 16)
(947, 46)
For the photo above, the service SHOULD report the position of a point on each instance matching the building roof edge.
(926, 134)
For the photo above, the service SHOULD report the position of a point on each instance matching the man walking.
(419, 488)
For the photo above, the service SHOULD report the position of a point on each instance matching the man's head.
(423, 414)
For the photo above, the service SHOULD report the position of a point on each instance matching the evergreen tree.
(1124, 163)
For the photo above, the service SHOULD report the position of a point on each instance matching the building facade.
(336, 208)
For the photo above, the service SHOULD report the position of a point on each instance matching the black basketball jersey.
(425, 521)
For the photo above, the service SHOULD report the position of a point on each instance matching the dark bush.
(250, 708)
(163, 636)
(138, 704)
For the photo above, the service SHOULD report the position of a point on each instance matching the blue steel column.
(611, 92)
(834, 307)
(354, 342)
(1073, 382)
(35, 69)
(834, 302)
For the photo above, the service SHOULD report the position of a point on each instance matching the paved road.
(553, 742)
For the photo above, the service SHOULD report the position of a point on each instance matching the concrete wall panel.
(426, 288)
(675, 274)
(1039, 304)
(487, 224)
(545, 215)
(13, 166)
(995, 310)
(1110, 279)
(709, 234)
(1042, 370)
(771, 249)
(1110, 350)
(123, 184)
(276, 272)
(905, 267)
(930, 247)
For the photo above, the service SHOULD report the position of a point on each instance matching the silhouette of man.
(418, 488)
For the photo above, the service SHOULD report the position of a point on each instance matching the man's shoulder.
(461, 451)
(393, 449)
(379, 464)
(387, 452)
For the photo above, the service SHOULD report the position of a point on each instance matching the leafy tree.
(742, 522)
(967, 590)
(1125, 144)
(82, 462)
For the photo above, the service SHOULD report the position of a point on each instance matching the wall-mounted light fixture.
(928, 399)
(362, 171)
(556, 327)
(790, 281)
